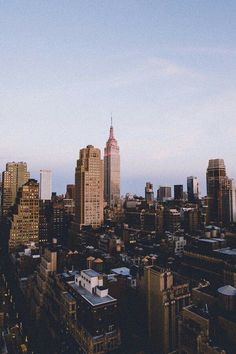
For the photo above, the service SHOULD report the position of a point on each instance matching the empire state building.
(111, 170)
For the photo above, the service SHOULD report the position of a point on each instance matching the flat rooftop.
(198, 311)
(208, 240)
(93, 299)
(227, 251)
(121, 271)
(69, 275)
(91, 273)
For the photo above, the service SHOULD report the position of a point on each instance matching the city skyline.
(170, 181)
(171, 90)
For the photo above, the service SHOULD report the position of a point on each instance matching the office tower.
(24, 226)
(45, 191)
(165, 300)
(172, 219)
(48, 265)
(45, 216)
(149, 194)
(218, 193)
(232, 201)
(178, 192)
(193, 189)
(0, 198)
(112, 170)
(191, 220)
(163, 193)
(70, 191)
(89, 184)
(13, 178)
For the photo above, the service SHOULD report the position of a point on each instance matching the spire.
(111, 136)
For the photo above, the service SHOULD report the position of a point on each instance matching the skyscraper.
(178, 192)
(193, 189)
(163, 193)
(219, 188)
(45, 191)
(89, 187)
(25, 220)
(13, 178)
(111, 170)
(165, 299)
(149, 194)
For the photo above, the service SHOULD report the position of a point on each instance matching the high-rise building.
(45, 185)
(219, 188)
(165, 300)
(24, 226)
(232, 201)
(193, 189)
(149, 194)
(178, 192)
(112, 170)
(70, 191)
(163, 193)
(89, 183)
(13, 178)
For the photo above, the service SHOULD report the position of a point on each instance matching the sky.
(166, 70)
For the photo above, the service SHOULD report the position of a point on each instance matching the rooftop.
(227, 251)
(199, 311)
(93, 299)
(91, 273)
(121, 271)
(208, 240)
(227, 290)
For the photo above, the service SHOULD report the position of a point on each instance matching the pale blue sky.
(166, 69)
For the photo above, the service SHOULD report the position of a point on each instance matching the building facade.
(149, 194)
(24, 227)
(219, 188)
(89, 183)
(163, 193)
(178, 192)
(192, 189)
(13, 178)
(45, 192)
(165, 300)
(112, 170)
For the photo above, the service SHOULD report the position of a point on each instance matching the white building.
(45, 191)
